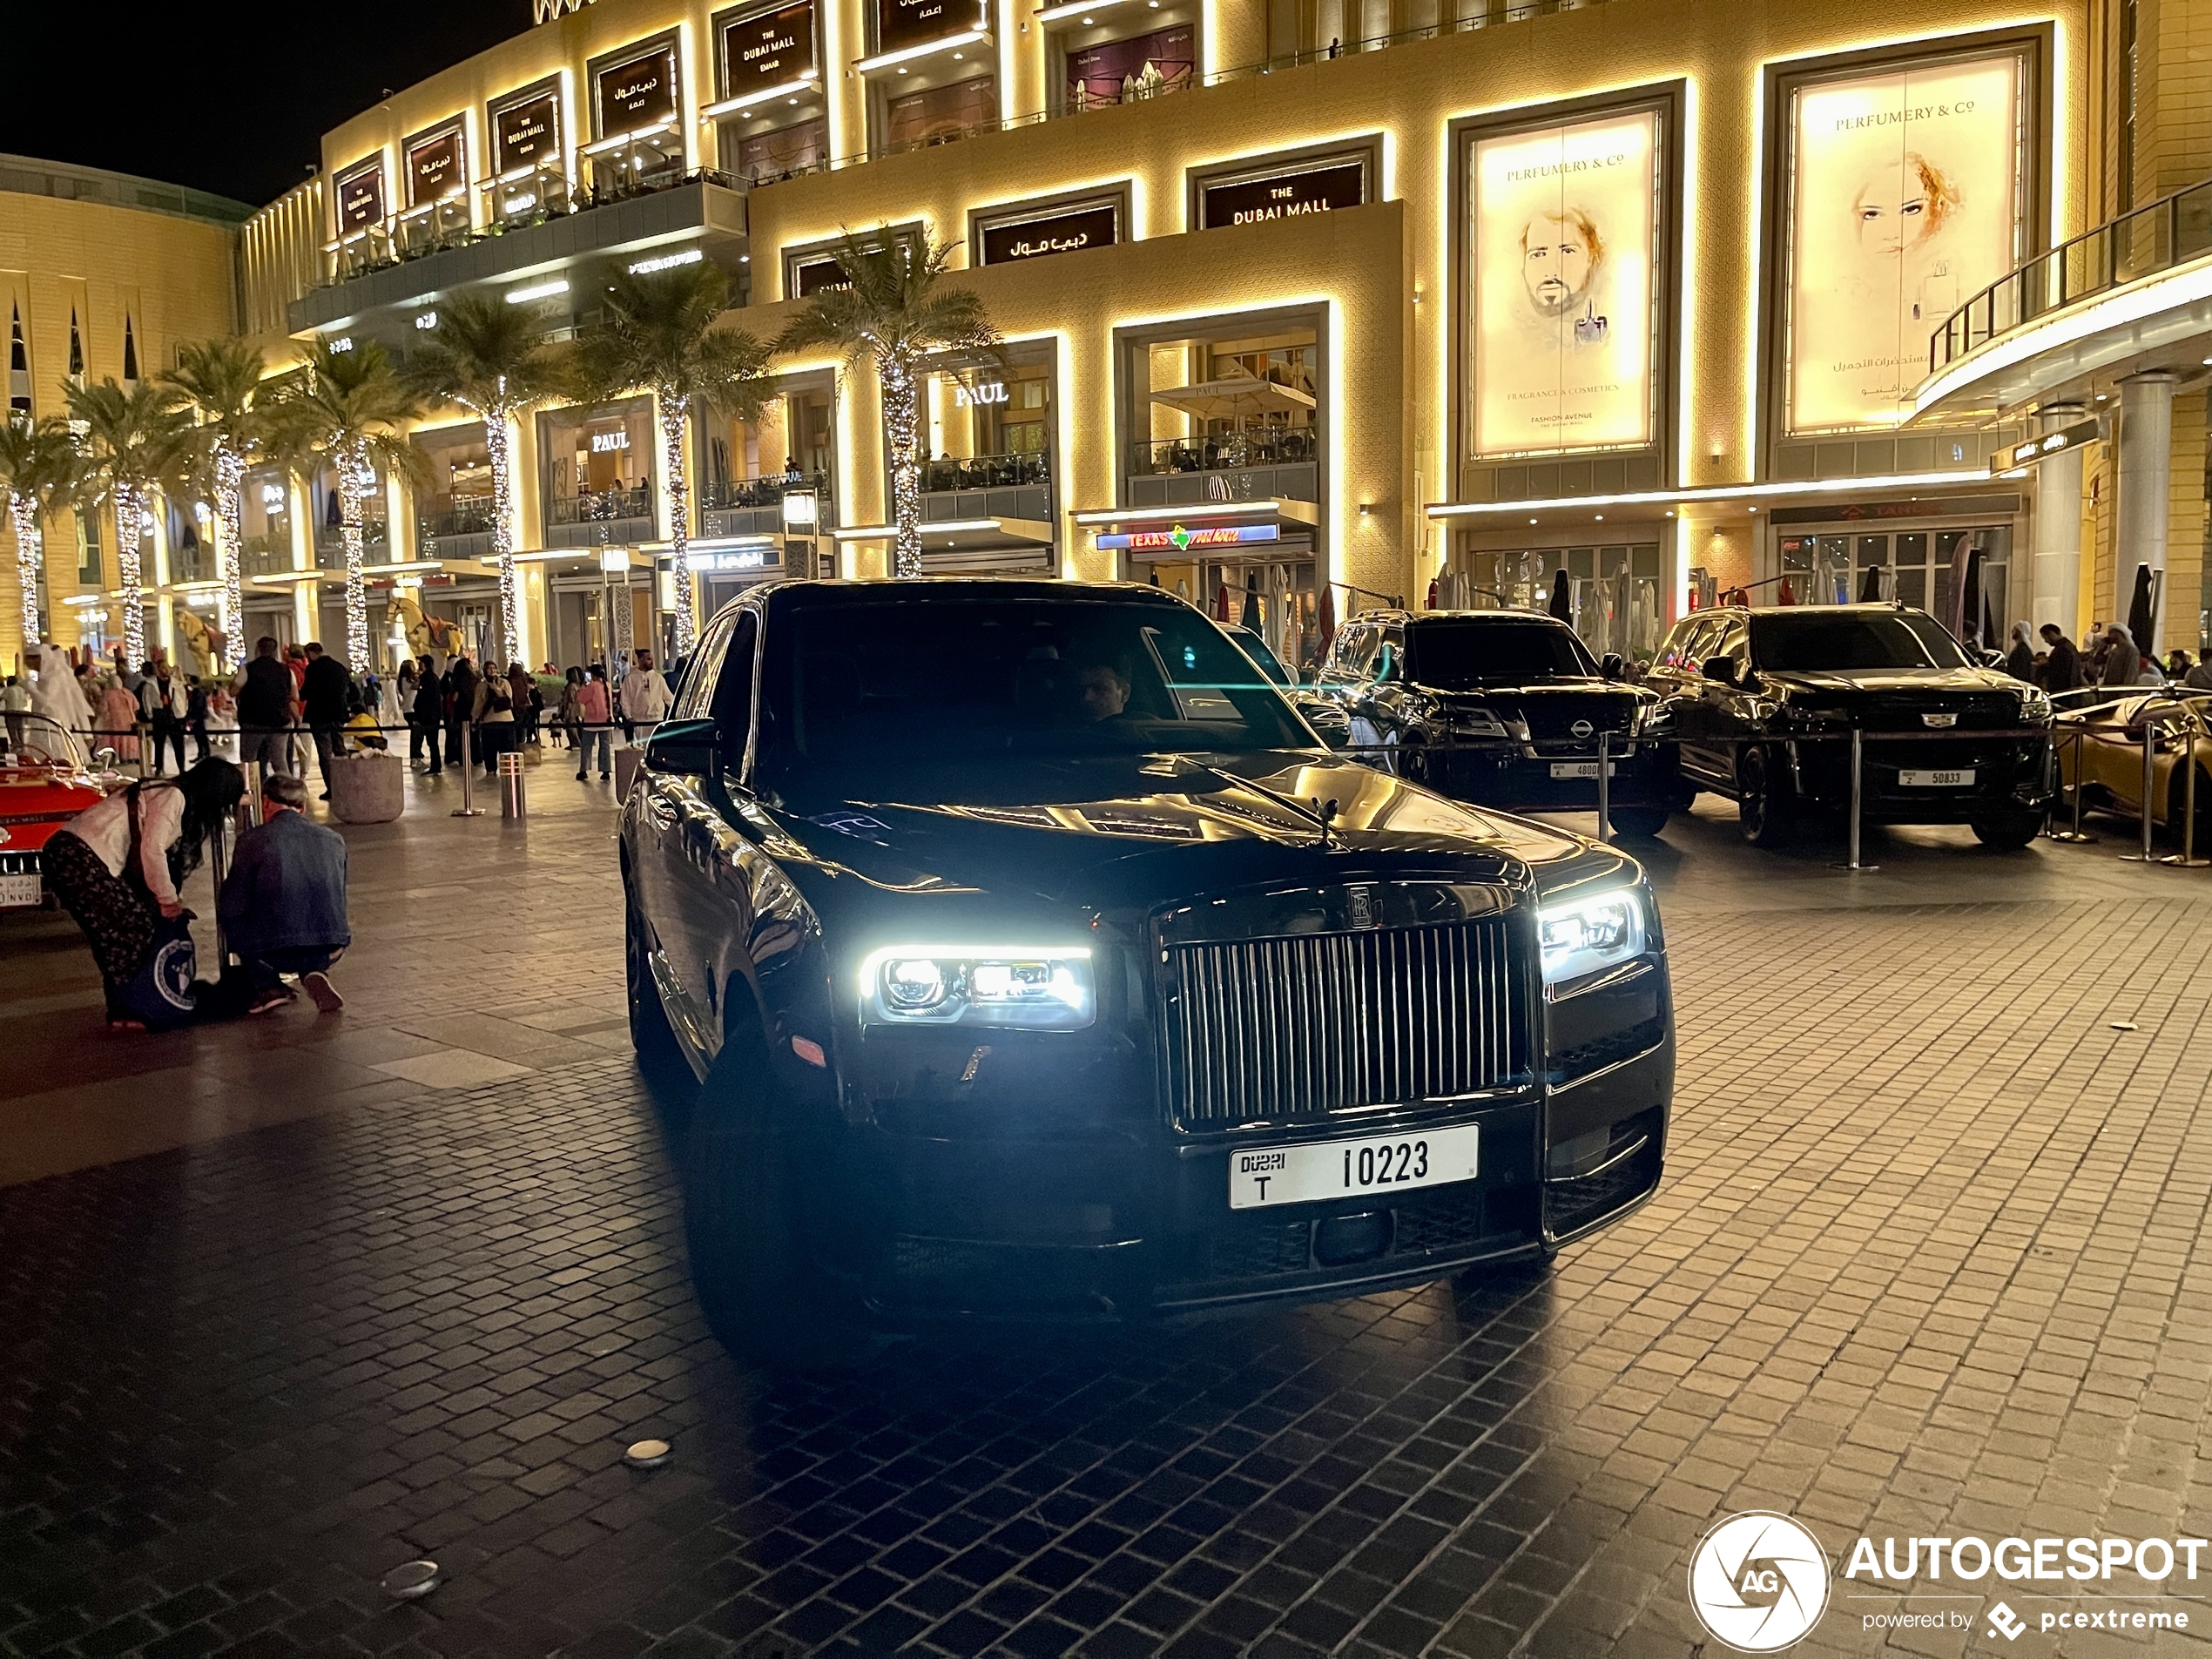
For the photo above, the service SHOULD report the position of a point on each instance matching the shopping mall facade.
(1428, 304)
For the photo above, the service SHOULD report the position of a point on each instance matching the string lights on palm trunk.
(29, 554)
(130, 526)
(901, 421)
(355, 479)
(673, 415)
(230, 507)
(502, 532)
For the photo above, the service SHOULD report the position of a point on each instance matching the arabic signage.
(639, 93)
(1564, 237)
(1905, 195)
(2052, 443)
(434, 167)
(1318, 188)
(1180, 540)
(527, 132)
(1949, 506)
(770, 48)
(1066, 232)
(737, 559)
(360, 196)
(900, 24)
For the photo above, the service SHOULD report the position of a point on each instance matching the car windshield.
(1852, 639)
(1468, 652)
(892, 687)
(1256, 648)
(36, 740)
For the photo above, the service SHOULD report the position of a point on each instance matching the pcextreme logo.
(1758, 1582)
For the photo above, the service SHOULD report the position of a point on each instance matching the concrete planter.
(367, 788)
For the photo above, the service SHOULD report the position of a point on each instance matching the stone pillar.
(2140, 514)
(2055, 573)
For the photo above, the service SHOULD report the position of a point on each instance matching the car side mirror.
(1721, 670)
(1611, 666)
(683, 746)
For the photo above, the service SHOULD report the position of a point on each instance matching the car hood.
(1141, 834)
(1889, 681)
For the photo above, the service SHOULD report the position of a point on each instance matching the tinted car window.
(1353, 646)
(1865, 640)
(1256, 648)
(693, 700)
(1457, 653)
(734, 691)
(896, 686)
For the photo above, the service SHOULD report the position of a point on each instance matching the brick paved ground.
(1928, 1260)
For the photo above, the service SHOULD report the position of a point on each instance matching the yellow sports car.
(2105, 742)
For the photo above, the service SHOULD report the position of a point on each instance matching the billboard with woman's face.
(1906, 196)
(1564, 244)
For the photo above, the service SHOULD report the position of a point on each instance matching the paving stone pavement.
(1928, 1259)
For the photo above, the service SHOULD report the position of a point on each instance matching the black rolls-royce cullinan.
(1034, 959)
(1503, 708)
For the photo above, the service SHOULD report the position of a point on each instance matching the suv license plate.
(17, 890)
(1378, 1165)
(1583, 768)
(1912, 779)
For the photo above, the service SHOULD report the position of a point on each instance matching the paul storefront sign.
(1182, 540)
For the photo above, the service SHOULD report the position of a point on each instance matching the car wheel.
(660, 1056)
(1762, 812)
(1638, 823)
(2010, 830)
(2177, 810)
(766, 1298)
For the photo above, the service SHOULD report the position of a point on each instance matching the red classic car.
(44, 782)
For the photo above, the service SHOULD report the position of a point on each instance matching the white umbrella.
(1229, 400)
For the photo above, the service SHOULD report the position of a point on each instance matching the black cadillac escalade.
(1763, 704)
(1034, 958)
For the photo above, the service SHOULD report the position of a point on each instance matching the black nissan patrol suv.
(1503, 707)
(1034, 958)
(1763, 703)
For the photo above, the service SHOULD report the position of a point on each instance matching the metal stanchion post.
(219, 834)
(1604, 789)
(1858, 776)
(2187, 858)
(2077, 835)
(468, 807)
(2150, 785)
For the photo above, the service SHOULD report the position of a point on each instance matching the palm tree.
(892, 310)
(136, 445)
(347, 407)
(488, 357)
(660, 334)
(220, 383)
(38, 471)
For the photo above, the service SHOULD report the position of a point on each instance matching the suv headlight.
(2035, 704)
(1036, 987)
(1476, 723)
(1583, 936)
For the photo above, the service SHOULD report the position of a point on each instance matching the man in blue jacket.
(283, 905)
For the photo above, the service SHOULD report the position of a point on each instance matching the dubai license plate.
(1373, 1166)
(19, 890)
(1583, 768)
(1924, 780)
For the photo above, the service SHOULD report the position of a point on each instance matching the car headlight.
(1036, 988)
(1652, 721)
(2035, 703)
(1476, 723)
(1581, 935)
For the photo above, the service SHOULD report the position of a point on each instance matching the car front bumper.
(2010, 774)
(1507, 776)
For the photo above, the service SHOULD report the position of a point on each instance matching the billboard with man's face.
(1564, 240)
(1905, 197)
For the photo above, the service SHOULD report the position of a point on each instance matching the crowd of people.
(505, 709)
(2109, 657)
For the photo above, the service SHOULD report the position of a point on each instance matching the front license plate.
(1583, 768)
(1380, 1165)
(16, 890)
(1912, 779)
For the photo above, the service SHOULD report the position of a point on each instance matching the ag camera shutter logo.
(1758, 1582)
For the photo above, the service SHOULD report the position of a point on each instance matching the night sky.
(227, 96)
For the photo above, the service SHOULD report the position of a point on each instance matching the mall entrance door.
(1910, 567)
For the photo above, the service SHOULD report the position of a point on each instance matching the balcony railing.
(466, 518)
(723, 494)
(602, 506)
(330, 544)
(2149, 240)
(267, 554)
(984, 472)
(1229, 453)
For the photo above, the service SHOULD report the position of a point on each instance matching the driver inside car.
(1105, 691)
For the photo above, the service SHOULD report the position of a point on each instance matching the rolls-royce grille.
(1309, 1023)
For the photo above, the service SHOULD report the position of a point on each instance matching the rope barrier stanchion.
(2077, 835)
(2150, 788)
(1857, 792)
(1604, 789)
(468, 807)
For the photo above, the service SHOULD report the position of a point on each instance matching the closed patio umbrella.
(1869, 585)
(2139, 612)
(1561, 606)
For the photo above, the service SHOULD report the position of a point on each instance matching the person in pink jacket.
(595, 711)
